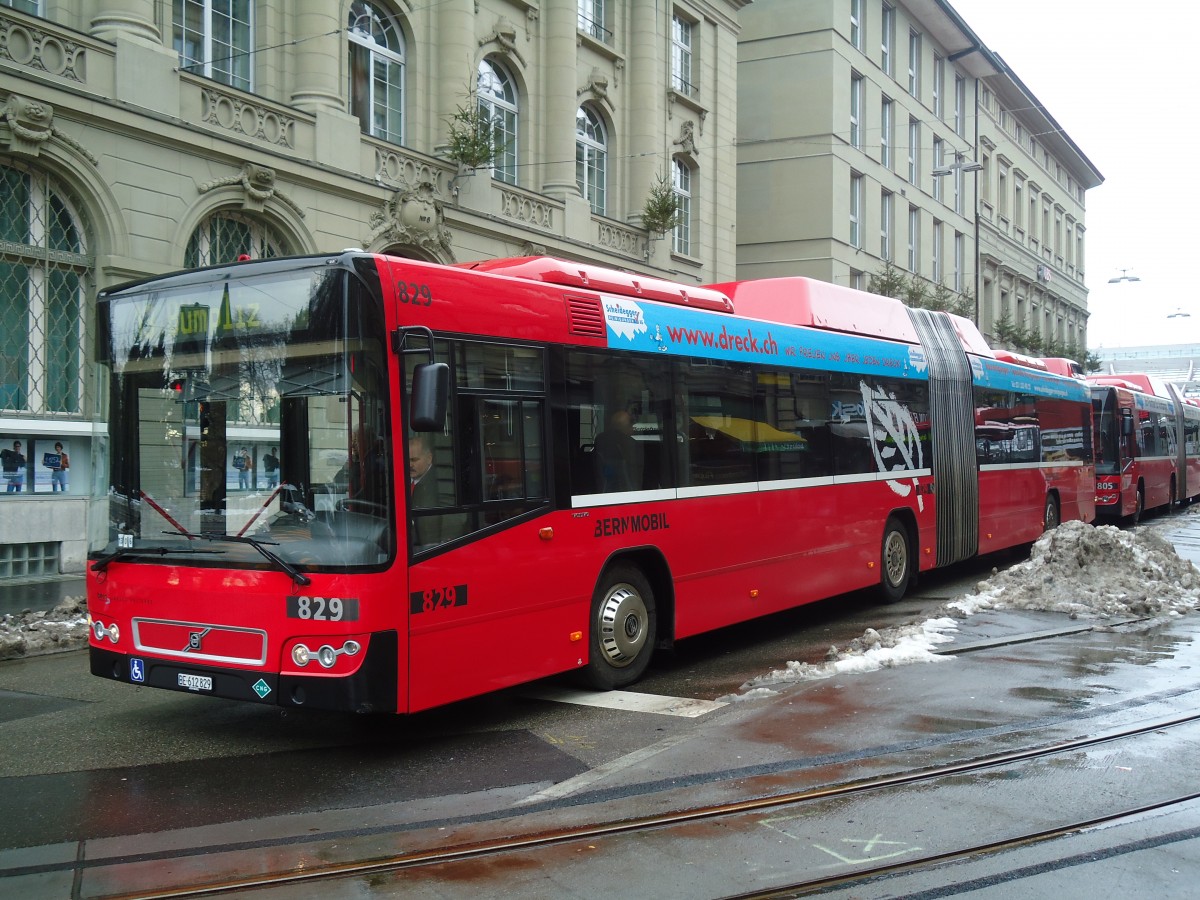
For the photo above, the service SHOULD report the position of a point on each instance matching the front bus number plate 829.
(195, 682)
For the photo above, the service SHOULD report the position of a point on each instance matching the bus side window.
(616, 410)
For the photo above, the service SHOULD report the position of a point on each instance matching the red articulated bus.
(459, 478)
(1147, 439)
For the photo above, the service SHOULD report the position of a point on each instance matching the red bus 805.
(1147, 439)
(358, 482)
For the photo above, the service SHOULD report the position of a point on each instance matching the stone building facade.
(139, 137)
(877, 132)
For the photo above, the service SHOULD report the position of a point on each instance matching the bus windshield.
(253, 405)
(1107, 425)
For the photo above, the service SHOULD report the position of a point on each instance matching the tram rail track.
(466, 852)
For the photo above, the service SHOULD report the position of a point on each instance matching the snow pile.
(32, 633)
(1077, 569)
(874, 650)
(1089, 571)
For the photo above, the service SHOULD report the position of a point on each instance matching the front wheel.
(623, 629)
(1139, 506)
(896, 562)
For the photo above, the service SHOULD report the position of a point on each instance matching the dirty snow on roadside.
(1090, 572)
(33, 633)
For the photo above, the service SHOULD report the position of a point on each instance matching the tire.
(1139, 508)
(623, 629)
(895, 562)
(1050, 515)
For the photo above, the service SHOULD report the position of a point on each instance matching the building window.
(856, 96)
(45, 272)
(681, 184)
(26, 6)
(958, 189)
(887, 39)
(938, 155)
(376, 72)
(591, 159)
(1001, 190)
(592, 20)
(856, 190)
(939, 79)
(885, 225)
(1018, 203)
(914, 238)
(857, 279)
(225, 236)
(914, 150)
(937, 252)
(914, 64)
(958, 261)
(681, 56)
(960, 105)
(885, 133)
(214, 38)
(856, 29)
(498, 102)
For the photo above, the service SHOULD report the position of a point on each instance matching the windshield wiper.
(101, 563)
(259, 545)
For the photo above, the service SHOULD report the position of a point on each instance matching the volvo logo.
(194, 639)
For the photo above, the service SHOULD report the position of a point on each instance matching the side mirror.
(430, 397)
(1126, 423)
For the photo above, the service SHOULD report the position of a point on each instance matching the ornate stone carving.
(31, 125)
(30, 122)
(504, 35)
(413, 215)
(619, 240)
(687, 138)
(527, 210)
(35, 48)
(529, 248)
(239, 115)
(258, 183)
(397, 168)
(597, 86)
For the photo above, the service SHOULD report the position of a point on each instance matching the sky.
(1119, 78)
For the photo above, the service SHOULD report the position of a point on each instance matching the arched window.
(376, 72)
(591, 159)
(215, 38)
(45, 274)
(224, 236)
(681, 184)
(498, 101)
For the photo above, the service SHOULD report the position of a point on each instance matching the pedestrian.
(59, 464)
(13, 463)
(271, 467)
(244, 463)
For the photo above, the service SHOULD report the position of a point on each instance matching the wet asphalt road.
(139, 777)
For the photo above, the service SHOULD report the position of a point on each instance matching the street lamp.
(1123, 277)
(960, 164)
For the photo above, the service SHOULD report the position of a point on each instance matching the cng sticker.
(261, 688)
